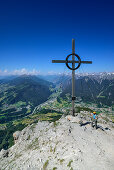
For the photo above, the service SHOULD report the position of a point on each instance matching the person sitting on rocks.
(94, 118)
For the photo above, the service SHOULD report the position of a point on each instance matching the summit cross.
(73, 68)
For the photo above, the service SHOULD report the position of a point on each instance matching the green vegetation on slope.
(19, 96)
(6, 136)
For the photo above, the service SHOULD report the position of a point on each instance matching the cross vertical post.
(73, 68)
(73, 76)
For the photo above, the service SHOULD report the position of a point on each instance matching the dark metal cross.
(73, 68)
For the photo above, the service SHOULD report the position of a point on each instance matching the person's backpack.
(94, 116)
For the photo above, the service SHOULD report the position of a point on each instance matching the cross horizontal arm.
(86, 62)
(58, 61)
(64, 61)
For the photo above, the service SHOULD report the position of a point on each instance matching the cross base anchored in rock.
(73, 68)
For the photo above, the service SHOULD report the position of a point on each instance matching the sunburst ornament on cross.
(73, 68)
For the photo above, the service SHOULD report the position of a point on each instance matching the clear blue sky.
(33, 32)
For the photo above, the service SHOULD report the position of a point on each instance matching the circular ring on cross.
(79, 62)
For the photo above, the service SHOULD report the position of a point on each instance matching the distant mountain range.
(95, 87)
(92, 89)
(27, 89)
(58, 78)
(19, 96)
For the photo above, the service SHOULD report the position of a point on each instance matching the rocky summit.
(67, 144)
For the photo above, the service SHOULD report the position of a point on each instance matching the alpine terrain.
(38, 131)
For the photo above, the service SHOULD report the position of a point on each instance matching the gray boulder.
(4, 153)
(16, 136)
